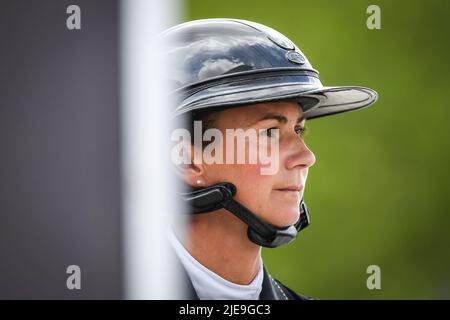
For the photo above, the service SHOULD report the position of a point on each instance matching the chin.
(284, 216)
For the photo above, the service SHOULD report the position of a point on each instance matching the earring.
(199, 182)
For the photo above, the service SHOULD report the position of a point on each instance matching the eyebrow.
(278, 117)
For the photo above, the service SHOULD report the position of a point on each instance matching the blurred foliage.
(378, 193)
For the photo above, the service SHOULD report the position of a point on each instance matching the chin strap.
(262, 233)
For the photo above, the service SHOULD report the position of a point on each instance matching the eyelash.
(268, 131)
(299, 130)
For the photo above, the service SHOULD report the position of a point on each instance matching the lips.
(294, 188)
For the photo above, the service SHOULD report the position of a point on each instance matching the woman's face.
(273, 197)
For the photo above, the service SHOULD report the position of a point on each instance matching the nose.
(301, 155)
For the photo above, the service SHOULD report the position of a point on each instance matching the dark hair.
(207, 117)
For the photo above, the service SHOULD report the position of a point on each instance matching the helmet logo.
(295, 57)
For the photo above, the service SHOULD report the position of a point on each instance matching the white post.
(147, 207)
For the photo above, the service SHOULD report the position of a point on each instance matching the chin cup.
(260, 232)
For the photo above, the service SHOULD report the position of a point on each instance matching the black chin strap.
(262, 233)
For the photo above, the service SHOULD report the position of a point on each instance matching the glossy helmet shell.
(221, 63)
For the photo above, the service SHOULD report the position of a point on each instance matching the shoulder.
(273, 289)
(291, 294)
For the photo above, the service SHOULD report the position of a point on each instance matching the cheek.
(253, 188)
(246, 176)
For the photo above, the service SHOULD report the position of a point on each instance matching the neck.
(218, 240)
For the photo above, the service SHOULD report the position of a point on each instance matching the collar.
(210, 285)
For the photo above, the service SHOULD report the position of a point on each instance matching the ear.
(192, 171)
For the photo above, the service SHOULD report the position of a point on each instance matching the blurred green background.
(378, 193)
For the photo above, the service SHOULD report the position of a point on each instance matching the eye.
(300, 131)
(271, 132)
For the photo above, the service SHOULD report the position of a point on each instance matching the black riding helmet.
(223, 63)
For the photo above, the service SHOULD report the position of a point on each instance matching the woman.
(248, 90)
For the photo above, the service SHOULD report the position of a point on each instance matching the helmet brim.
(315, 99)
(333, 100)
